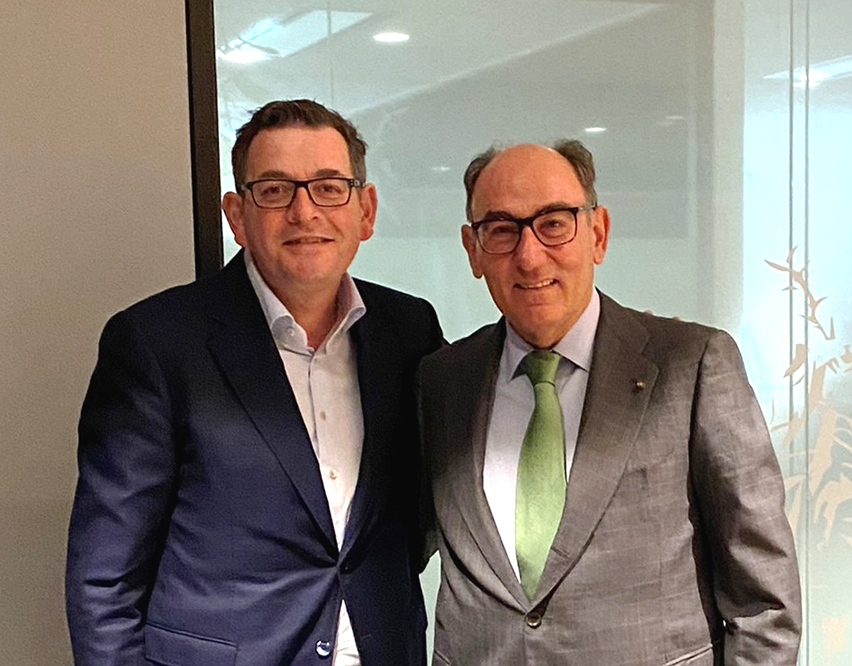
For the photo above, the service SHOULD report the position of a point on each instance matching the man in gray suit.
(604, 486)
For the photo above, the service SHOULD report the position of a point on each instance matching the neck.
(314, 305)
(315, 312)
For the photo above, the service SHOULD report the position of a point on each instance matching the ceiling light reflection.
(282, 37)
(245, 55)
(838, 68)
(391, 37)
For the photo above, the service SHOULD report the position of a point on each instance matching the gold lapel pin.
(639, 385)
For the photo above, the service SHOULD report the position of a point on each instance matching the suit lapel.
(375, 351)
(612, 414)
(471, 412)
(248, 358)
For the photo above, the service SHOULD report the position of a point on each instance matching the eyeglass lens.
(322, 191)
(503, 236)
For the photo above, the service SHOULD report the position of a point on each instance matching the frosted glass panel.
(721, 132)
(471, 74)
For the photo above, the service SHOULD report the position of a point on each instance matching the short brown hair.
(288, 113)
(574, 151)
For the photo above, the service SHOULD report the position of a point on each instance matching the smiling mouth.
(541, 284)
(307, 240)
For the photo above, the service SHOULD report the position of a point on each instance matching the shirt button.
(291, 332)
(322, 415)
(332, 473)
(324, 649)
(533, 620)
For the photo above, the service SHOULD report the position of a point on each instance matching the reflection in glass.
(722, 152)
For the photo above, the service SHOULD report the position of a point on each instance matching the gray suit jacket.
(673, 547)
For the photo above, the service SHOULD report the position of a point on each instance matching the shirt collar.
(576, 345)
(350, 307)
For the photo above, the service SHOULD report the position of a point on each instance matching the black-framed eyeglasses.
(501, 234)
(279, 192)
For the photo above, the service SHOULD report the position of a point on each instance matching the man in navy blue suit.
(247, 454)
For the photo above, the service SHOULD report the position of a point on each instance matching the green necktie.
(540, 495)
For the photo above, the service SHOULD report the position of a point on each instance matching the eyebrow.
(493, 215)
(320, 173)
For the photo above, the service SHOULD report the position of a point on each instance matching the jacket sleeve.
(426, 542)
(741, 494)
(127, 472)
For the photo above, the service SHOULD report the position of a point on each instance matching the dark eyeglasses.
(279, 192)
(501, 234)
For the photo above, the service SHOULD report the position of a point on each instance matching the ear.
(469, 242)
(232, 206)
(368, 202)
(600, 233)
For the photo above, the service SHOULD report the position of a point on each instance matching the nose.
(301, 208)
(529, 252)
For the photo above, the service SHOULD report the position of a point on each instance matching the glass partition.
(721, 131)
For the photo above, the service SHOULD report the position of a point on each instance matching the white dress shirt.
(514, 401)
(325, 383)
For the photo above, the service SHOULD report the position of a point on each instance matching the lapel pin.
(639, 385)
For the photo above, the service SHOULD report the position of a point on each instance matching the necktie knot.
(540, 366)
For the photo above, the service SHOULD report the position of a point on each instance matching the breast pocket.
(170, 647)
(665, 427)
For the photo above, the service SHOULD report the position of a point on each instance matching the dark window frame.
(204, 136)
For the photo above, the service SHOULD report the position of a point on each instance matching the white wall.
(96, 213)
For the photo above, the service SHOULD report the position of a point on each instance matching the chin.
(541, 333)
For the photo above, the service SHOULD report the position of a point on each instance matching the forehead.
(297, 151)
(523, 179)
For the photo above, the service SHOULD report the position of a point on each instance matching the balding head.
(571, 150)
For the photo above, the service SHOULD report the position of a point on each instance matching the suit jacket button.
(533, 619)
(324, 649)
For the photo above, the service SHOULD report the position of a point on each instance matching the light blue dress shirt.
(513, 404)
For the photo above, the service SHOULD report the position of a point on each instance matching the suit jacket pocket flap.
(178, 648)
(703, 656)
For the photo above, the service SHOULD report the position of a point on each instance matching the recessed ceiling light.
(391, 37)
(595, 130)
(441, 169)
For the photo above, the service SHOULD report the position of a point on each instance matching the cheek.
(496, 296)
(262, 236)
(255, 235)
(500, 289)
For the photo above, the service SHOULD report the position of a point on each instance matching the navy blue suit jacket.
(201, 534)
